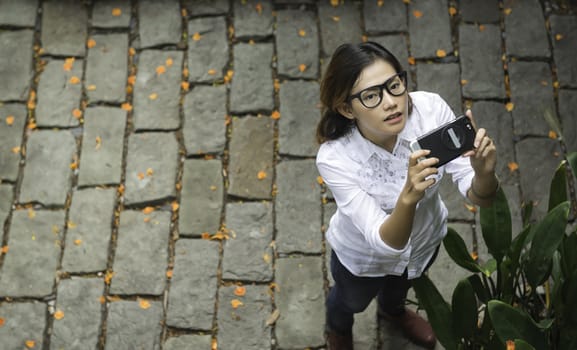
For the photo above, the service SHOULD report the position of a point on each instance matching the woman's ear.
(346, 110)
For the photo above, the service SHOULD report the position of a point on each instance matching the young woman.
(390, 219)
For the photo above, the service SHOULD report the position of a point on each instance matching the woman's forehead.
(374, 74)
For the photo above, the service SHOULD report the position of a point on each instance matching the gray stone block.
(532, 94)
(206, 7)
(297, 43)
(397, 45)
(538, 159)
(564, 40)
(129, 326)
(79, 300)
(454, 200)
(194, 279)
(365, 328)
(23, 322)
(204, 126)
(106, 68)
(253, 18)
(58, 96)
(89, 230)
(160, 23)
(442, 79)
(494, 117)
(11, 139)
(525, 38)
(567, 103)
(151, 166)
(18, 13)
(141, 256)
(188, 342)
(252, 85)
(479, 11)
(298, 211)
(244, 327)
(248, 254)
(251, 152)
(201, 199)
(64, 27)
(6, 195)
(300, 300)
(157, 96)
(102, 146)
(300, 114)
(15, 64)
(429, 30)
(47, 172)
(208, 52)
(385, 16)
(339, 25)
(30, 265)
(481, 64)
(102, 14)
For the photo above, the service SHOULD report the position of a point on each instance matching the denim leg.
(350, 294)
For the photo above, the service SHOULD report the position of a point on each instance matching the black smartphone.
(448, 141)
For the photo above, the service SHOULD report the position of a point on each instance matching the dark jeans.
(352, 294)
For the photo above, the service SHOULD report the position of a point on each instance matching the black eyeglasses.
(372, 96)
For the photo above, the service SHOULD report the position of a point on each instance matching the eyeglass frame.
(383, 86)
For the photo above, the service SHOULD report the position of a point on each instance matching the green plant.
(502, 303)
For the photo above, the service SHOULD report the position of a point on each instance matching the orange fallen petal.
(464, 81)
(380, 3)
(481, 27)
(131, 79)
(276, 85)
(336, 18)
(552, 135)
(196, 36)
(417, 14)
(68, 63)
(74, 80)
(108, 277)
(334, 3)
(140, 176)
(71, 225)
(302, 67)
(452, 11)
(30, 344)
(169, 273)
(169, 62)
(302, 32)
(211, 72)
(558, 37)
(441, 53)
(258, 8)
(2, 322)
(59, 314)
(16, 149)
(235, 303)
(474, 255)
(213, 344)
(77, 242)
(510, 106)
(275, 115)
(320, 180)
(4, 249)
(508, 11)
(116, 12)
(126, 106)
(90, 43)
(149, 172)
(411, 60)
(148, 210)
(76, 113)
(144, 304)
(146, 219)
(407, 1)
(98, 143)
(513, 166)
(74, 165)
(240, 291)
(185, 85)
(10, 120)
(153, 96)
(205, 235)
(471, 208)
(91, 87)
(160, 70)
(510, 345)
(184, 13)
(131, 51)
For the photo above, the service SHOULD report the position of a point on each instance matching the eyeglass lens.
(373, 96)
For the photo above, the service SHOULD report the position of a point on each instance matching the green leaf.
(558, 188)
(511, 323)
(464, 306)
(548, 236)
(479, 289)
(489, 267)
(457, 250)
(438, 311)
(496, 226)
(520, 344)
(568, 256)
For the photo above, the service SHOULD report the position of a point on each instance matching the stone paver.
(182, 209)
(35, 242)
(59, 94)
(79, 301)
(12, 122)
(47, 172)
(89, 231)
(64, 27)
(102, 146)
(15, 64)
(106, 69)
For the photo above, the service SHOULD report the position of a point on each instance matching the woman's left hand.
(484, 156)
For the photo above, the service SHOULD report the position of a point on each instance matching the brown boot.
(415, 328)
(337, 341)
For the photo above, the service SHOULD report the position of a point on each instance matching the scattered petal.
(185, 85)
(10, 120)
(258, 8)
(556, 84)
(417, 14)
(144, 304)
(481, 27)
(266, 258)
(452, 11)
(185, 73)
(2, 322)
(74, 165)
(16, 149)
(116, 12)
(131, 51)
(213, 188)
(153, 96)
(261, 175)
(98, 143)
(196, 36)
(474, 255)
(68, 63)
(205, 235)
(76, 113)
(169, 273)
(235, 303)
(336, 18)
(302, 33)
(510, 345)
(302, 67)
(32, 100)
(74, 80)
(70, 224)
(213, 344)
(380, 3)
(240, 291)
(552, 135)
(441, 53)
(513, 166)
(147, 210)
(508, 11)
(471, 208)
(275, 115)
(131, 79)
(160, 70)
(334, 3)
(464, 81)
(276, 85)
(411, 60)
(31, 213)
(4, 249)
(30, 344)
(90, 43)
(558, 37)
(91, 87)
(175, 206)
(59, 314)
(509, 106)
(320, 180)
(31, 125)
(149, 172)
(169, 62)
(407, 1)
(126, 106)
(211, 71)
(77, 242)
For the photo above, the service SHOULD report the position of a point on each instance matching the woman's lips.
(394, 117)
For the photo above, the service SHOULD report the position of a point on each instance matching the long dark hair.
(347, 63)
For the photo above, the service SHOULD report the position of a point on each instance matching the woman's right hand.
(418, 172)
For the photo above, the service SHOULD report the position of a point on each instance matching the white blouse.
(366, 181)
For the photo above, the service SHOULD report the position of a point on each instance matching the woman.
(390, 219)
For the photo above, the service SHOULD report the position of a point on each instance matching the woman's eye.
(370, 95)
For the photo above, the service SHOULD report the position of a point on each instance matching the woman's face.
(382, 123)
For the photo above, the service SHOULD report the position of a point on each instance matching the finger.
(415, 156)
(481, 133)
(469, 115)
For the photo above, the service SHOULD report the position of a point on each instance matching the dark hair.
(347, 63)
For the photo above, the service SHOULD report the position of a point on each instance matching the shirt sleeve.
(352, 201)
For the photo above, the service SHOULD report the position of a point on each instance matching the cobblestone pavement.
(157, 179)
